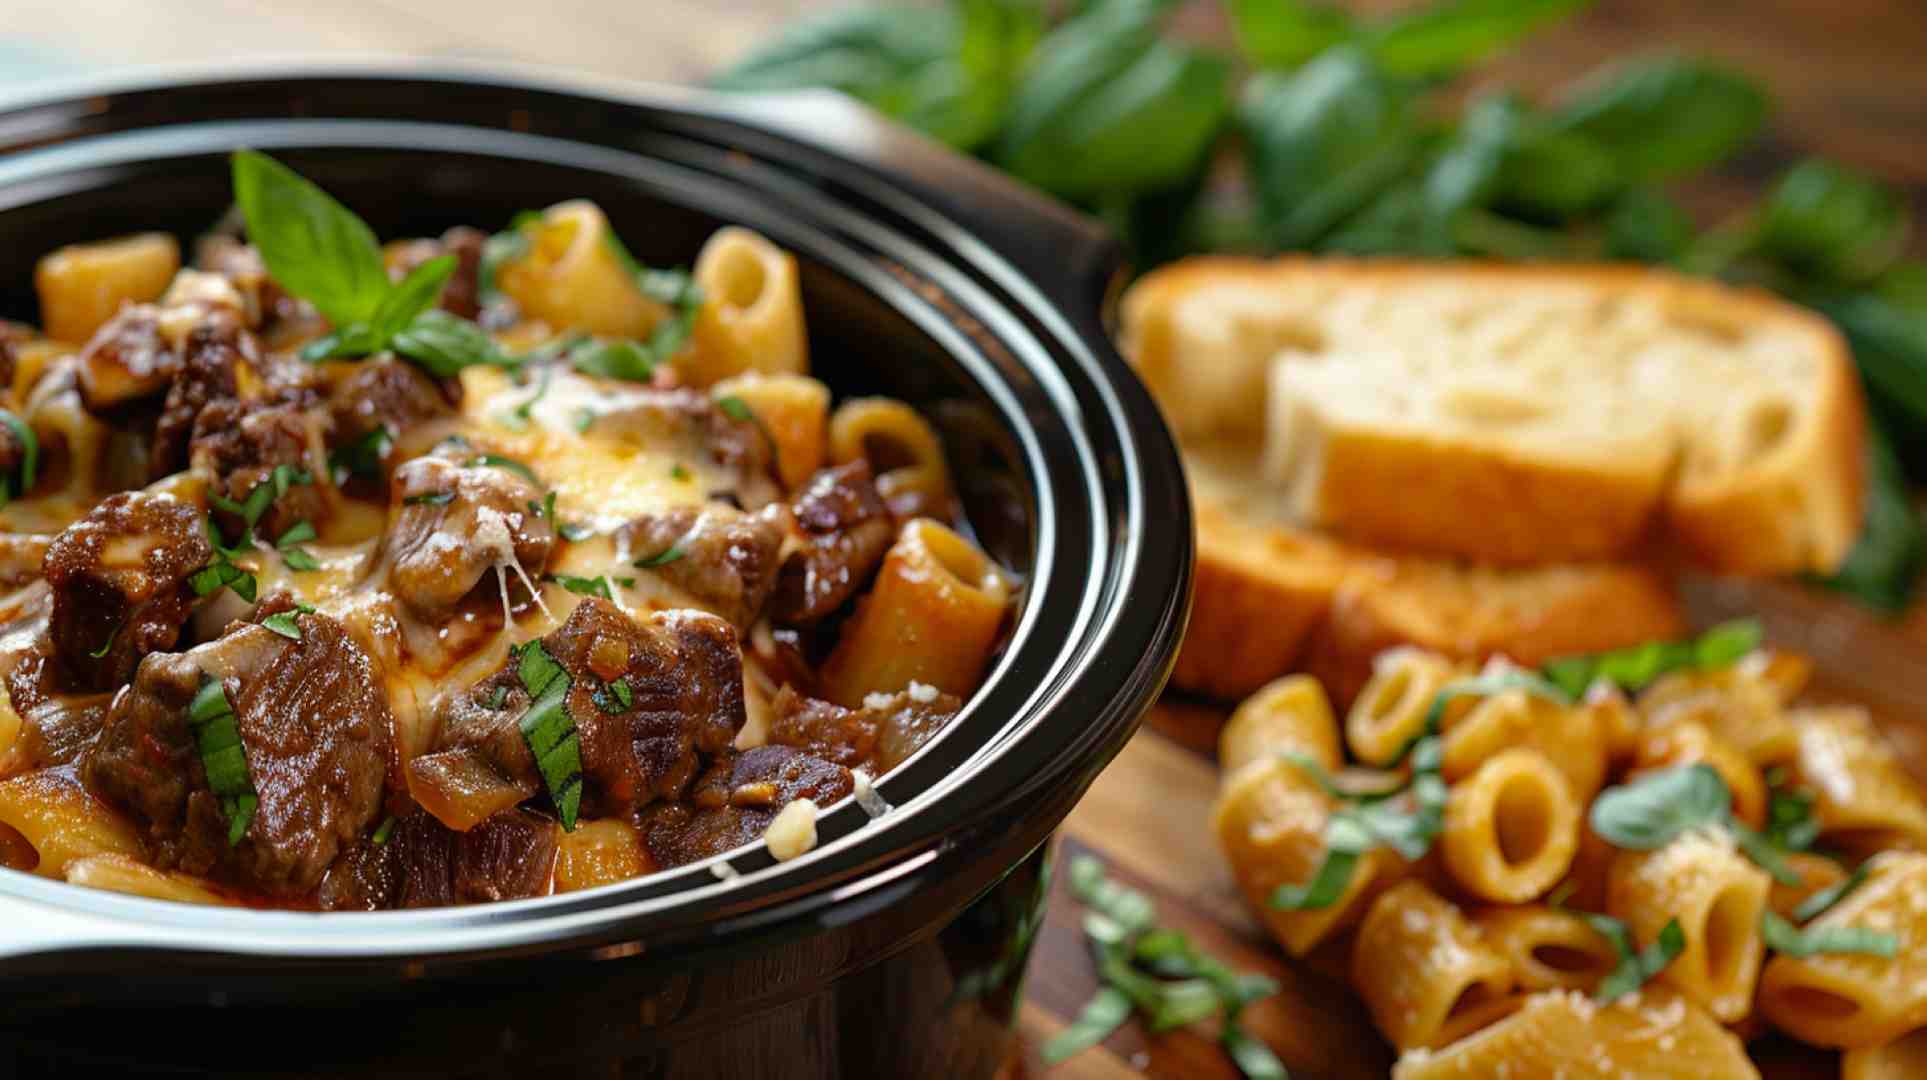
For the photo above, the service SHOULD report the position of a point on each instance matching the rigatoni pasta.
(752, 315)
(1594, 869)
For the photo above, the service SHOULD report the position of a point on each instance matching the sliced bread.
(1516, 415)
(1273, 598)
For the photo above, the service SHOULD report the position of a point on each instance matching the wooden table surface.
(1850, 79)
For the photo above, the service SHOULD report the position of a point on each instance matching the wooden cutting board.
(1146, 819)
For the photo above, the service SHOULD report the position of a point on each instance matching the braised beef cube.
(120, 584)
(462, 295)
(649, 700)
(126, 360)
(423, 863)
(391, 396)
(736, 800)
(876, 738)
(316, 737)
(723, 559)
(848, 529)
(56, 726)
(454, 519)
(211, 358)
(240, 444)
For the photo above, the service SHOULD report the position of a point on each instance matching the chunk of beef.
(451, 521)
(193, 353)
(728, 558)
(684, 679)
(736, 800)
(847, 530)
(21, 556)
(391, 395)
(263, 302)
(55, 725)
(876, 738)
(12, 336)
(424, 863)
(316, 733)
(126, 360)
(120, 584)
(239, 444)
(462, 295)
(210, 361)
(687, 422)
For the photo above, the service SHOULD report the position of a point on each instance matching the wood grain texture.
(1849, 78)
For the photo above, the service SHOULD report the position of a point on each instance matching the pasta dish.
(1620, 864)
(350, 577)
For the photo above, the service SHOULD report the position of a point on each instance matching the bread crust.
(1796, 509)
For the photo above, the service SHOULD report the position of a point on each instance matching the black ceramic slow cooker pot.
(895, 948)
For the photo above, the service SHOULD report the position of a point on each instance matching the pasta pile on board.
(1612, 865)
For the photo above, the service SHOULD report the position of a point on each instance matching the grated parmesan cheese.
(923, 693)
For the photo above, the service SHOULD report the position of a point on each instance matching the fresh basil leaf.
(550, 730)
(1440, 39)
(1323, 142)
(283, 623)
(1095, 86)
(300, 559)
(1466, 173)
(1663, 117)
(1253, 1058)
(443, 344)
(1557, 175)
(299, 533)
(1287, 33)
(412, 295)
(314, 247)
(1104, 1013)
(1826, 220)
(1762, 852)
(1814, 906)
(1647, 225)
(383, 831)
(1790, 822)
(1638, 666)
(1647, 813)
(217, 737)
(617, 359)
(1783, 937)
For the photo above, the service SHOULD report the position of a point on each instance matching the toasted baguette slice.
(1517, 415)
(1272, 598)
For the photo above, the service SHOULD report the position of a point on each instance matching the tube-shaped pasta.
(1418, 961)
(1288, 715)
(932, 617)
(1816, 872)
(1903, 1059)
(1654, 1035)
(1688, 742)
(1742, 705)
(1864, 797)
(118, 873)
(81, 286)
(752, 313)
(1548, 948)
(60, 821)
(13, 757)
(1511, 828)
(1717, 896)
(1592, 866)
(795, 410)
(903, 450)
(1390, 711)
(1571, 738)
(600, 853)
(572, 278)
(1270, 822)
(1618, 722)
(1854, 999)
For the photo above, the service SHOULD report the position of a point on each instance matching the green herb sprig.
(1652, 811)
(1159, 972)
(16, 484)
(1634, 668)
(217, 736)
(549, 730)
(1784, 937)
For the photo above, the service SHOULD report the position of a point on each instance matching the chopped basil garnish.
(221, 574)
(16, 485)
(661, 558)
(384, 830)
(584, 419)
(1490, 685)
(218, 737)
(295, 556)
(1790, 821)
(430, 498)
(283, 622)
(106, 646)
(517, 419)
(1813, 906)
(677, 472)
(614, 697)
(1637, 966)
(499, 462)
(1783, 937)
(1406, 819)
(443, 344)
(550, 731)
(1157, 971)
(618, 359)
(1639, 666)
(591, 586)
